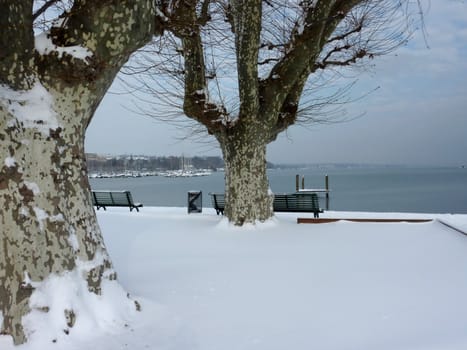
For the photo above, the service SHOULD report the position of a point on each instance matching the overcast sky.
(417, 116)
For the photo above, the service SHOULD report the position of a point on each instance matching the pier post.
(326, 186)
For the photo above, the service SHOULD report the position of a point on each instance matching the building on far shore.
(98, 163)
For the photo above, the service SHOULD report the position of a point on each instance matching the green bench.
(218, 202)
(103, 199)
(297, 202)
(289, 202)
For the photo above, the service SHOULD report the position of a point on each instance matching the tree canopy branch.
(186, 25)
(16, 43)
(319, 21)
(86, 25)
(247, 24)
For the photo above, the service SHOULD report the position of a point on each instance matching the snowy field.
(204, 285)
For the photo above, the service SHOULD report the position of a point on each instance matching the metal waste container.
(195, 202)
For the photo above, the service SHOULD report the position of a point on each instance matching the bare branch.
(268, 60)
(357, 55)
(340, 37)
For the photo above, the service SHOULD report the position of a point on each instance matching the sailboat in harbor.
(186, 170)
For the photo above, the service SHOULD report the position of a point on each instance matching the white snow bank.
(206, 285)
(47, 326)
(69, 292)
(33, 108)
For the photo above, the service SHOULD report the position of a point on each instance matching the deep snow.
(206, 285)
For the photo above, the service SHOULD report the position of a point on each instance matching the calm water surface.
(427, 190)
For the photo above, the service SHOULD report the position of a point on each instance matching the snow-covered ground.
(204, 285)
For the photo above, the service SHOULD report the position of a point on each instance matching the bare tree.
(246, 70)
(50, 85)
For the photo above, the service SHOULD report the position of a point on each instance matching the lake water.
(423, 190)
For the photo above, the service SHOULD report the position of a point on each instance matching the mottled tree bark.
(47, 99)
(48, 225)
(248, 198)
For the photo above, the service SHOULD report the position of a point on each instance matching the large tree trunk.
(49, 89)
(248, 198)
(48, 226)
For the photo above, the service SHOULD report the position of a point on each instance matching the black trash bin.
(195, 202)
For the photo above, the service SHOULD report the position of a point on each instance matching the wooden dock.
(326, 220)
(376, 220)
(320, 191)
(302, 188)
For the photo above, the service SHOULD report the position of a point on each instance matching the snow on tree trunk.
(248, 198)
(48, 226)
